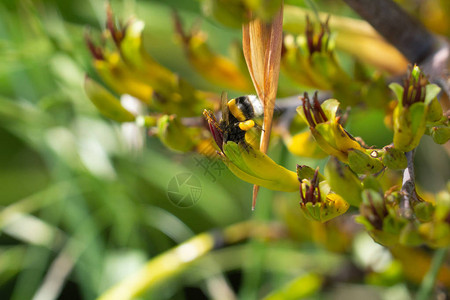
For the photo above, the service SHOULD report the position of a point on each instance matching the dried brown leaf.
(262, 51)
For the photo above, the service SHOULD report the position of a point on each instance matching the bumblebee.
(238, 116)
(244, 109)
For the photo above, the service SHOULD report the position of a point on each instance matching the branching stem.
(408, 190)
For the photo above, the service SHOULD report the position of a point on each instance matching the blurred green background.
(81, 208)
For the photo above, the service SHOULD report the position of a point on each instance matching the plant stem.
(429, 280)
(408, 187)
(397, 27)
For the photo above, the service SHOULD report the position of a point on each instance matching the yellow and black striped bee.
(244, 109)
(238, 116)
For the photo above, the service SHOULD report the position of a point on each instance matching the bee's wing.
(224, 104)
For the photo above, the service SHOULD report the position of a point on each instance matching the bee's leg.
(259, 127)
(246, 125)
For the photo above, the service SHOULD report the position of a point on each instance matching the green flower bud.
(361, 162)
(309, 59)
(343, 181)
(174, 135)
(106, 103)
(325, 127)
(423, 210)
(124, 65)
(117, 74)
(440, 134)
(317, 201)
(394, 158)
(213, 67)
(376, 217)
(373, 208)
(415, 99)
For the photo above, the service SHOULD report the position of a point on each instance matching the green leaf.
(431, 90)
(417, 113)
(398, 91)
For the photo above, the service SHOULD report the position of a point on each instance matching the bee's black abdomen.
(232, 132)
(244, 104)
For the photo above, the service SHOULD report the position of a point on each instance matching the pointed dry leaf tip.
(262, 51)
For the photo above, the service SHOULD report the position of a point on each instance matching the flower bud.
(124, 65)
(117, 74)
(317, 201)
(175, 135)
(106, 103)
(394, 158)
(440, 134)
(215, 68)
(376, 218)
(325, 127)
(362, 163)
(343, 181)
(415, 98)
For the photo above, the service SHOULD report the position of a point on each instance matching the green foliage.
(87, 171)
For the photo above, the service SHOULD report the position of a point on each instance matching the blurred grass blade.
(299, 288)
(161, 268)
(176, 260)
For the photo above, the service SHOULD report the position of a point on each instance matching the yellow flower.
(325, 127)
(417, 104)
(317, 202)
